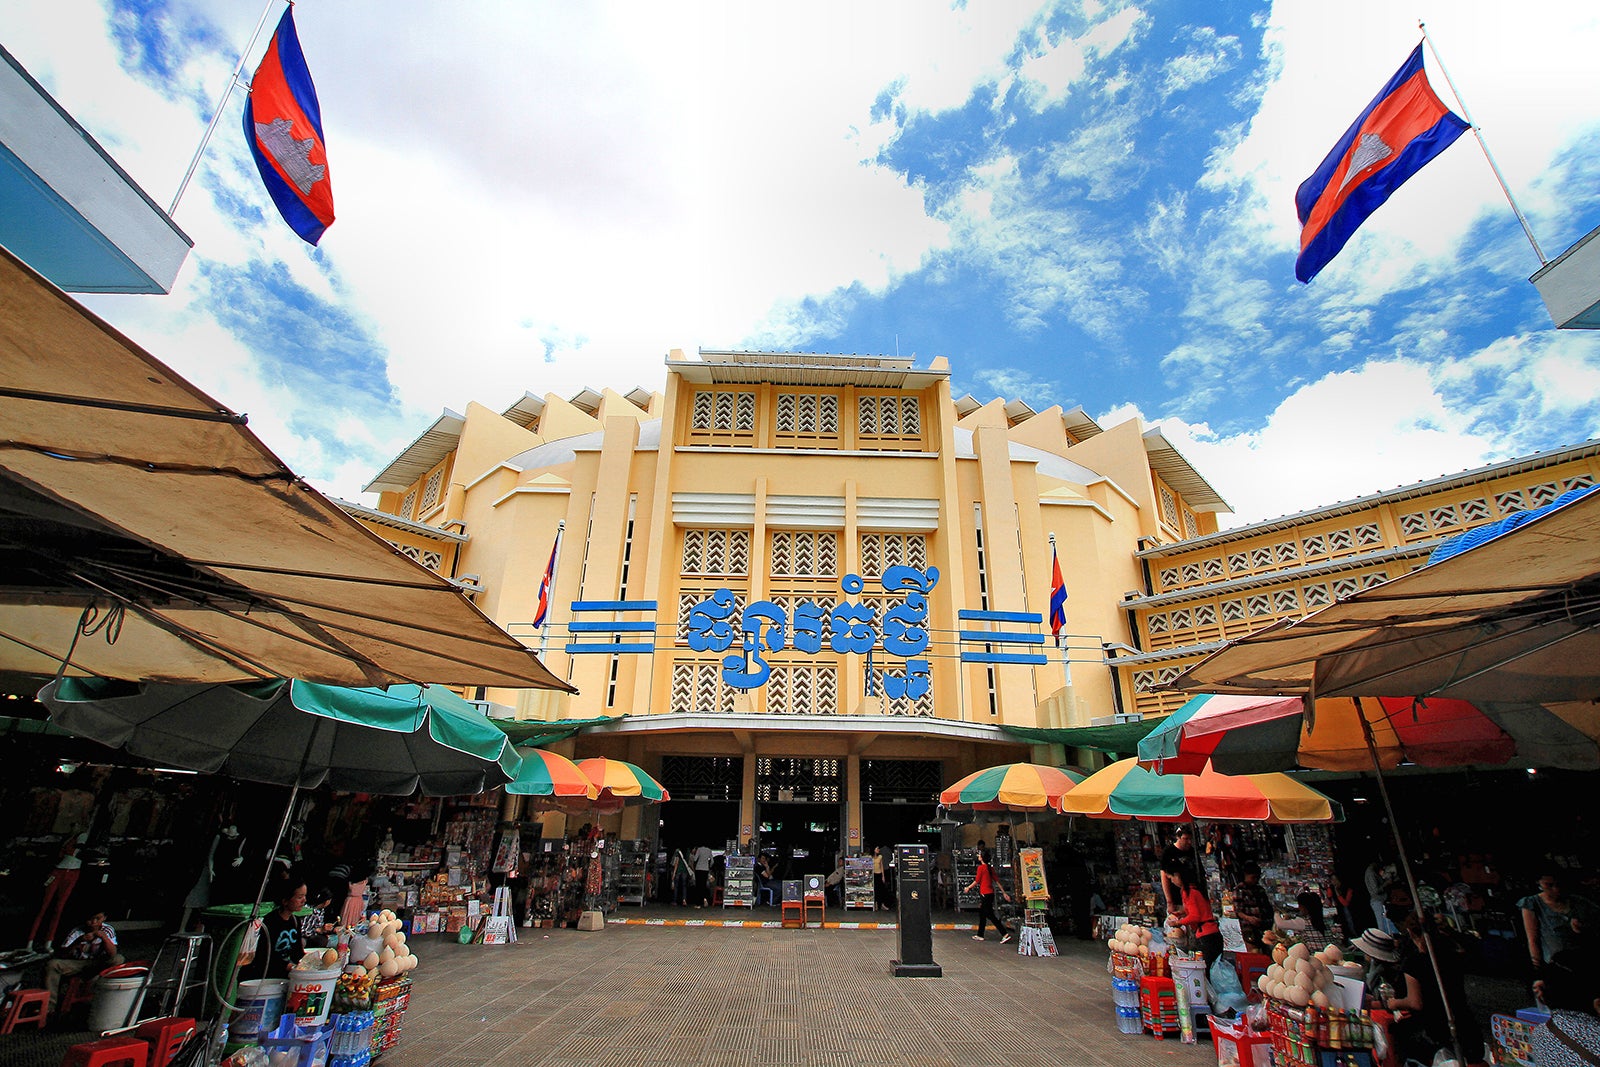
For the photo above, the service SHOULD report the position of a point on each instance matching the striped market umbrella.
(1011, 787)
(1250, 734)
(619, 780)
(549, 774)
(1125, 790)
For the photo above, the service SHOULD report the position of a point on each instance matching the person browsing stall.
(986, 883)
(1555, 923)
(1177, 858)
(1194, 913)
(1253, 906)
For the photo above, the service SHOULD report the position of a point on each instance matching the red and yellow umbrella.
(1125, 790)
(619, 780)
(549, 774)
(1010, 787)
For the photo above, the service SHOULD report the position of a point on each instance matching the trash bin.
(225, 922)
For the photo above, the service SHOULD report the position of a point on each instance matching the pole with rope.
(1411, 882)
(1483, 144)
(216, 115)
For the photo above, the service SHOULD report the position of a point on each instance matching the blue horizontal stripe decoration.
(1002, 637)
(1025, 617)
(612, 627)
(990, 638)
(620, 648)
(1004, 657)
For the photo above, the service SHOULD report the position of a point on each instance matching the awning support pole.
(1411, 882)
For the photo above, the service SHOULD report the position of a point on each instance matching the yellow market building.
(807, 589)
(719, 592)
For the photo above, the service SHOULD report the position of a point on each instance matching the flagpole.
(1483, 144)
(1066, 655)
(216, 115)
(555, 566)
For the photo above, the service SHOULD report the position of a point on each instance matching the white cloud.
(1390, 422)
(1209, 55)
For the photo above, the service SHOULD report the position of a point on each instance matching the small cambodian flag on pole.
(1058, 597)
(544, 586)
(283, 127)
(1398, 134)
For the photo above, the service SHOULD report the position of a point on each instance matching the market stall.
(1157, 985)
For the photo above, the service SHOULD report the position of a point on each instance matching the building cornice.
(1290, 574)
(1524, 465)
(898, 725)
(1162, 655)
(395, 522)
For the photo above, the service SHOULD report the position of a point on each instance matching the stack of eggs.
(1131, 940)
(1300, 977)
(394, 956)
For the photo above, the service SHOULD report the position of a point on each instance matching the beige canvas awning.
(148, 535)
(1514, 620)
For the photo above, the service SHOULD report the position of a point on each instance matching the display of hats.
(1375, 943)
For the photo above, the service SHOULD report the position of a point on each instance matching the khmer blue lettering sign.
(765, 627)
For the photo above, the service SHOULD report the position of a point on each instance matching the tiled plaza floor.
(670, 995)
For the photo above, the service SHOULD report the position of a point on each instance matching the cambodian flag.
(545, 584)
(1058, 597)
(1403, 128)
(283, 126)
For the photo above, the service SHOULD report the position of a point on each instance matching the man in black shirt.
(1176, 858)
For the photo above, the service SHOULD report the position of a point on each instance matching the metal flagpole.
(216, 115)
(1478, 133)
(555, 566)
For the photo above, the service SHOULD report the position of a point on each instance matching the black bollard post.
(915, 914)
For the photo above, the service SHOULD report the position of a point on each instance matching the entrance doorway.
(802, 837)
(898, 824)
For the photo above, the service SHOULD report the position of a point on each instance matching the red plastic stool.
(110, 1052)
(75, 990)
(166, 1037)
(1158, 1006)
(27, 1006)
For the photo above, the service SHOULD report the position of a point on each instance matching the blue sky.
(1081, 203)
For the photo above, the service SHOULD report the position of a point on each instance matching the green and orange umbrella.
(1011, 787)
(549, 774)
(1124, 790)
(619, 780)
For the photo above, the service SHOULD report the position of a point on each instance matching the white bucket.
(260, 1003)
(117, 994)
(311, 995)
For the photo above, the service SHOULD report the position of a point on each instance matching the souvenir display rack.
(632, 864)
(966, 860)
(858, 888)
(739, 882)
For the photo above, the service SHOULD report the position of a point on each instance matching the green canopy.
(1122, 737)
(396, 740)
(537, 732)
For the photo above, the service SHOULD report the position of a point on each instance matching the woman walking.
(986, 883)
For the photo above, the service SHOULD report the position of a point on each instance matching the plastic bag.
(1226, 992)
(1445, 1058)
